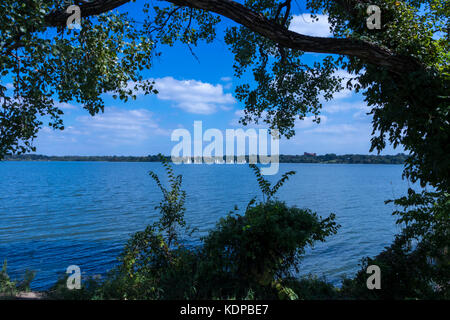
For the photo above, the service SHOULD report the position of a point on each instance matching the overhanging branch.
(88, 8)
(256, 22)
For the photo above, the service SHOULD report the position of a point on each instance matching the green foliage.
(53, 65)
(404, 275)
(24, 284)
(172, 206)
(266, 189)
(149, 270)
(417, 264)
(253, 252)
(9, 287)
(411, 109)
(90, 286)
(258, 248)
(78, 65)
(426, 217)
(288, 89)
(187, 25)
(312, 288)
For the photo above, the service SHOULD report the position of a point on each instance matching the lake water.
(56, 214)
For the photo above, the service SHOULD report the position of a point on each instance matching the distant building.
(309, 154)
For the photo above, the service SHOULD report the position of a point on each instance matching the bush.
(59, 291)
(426, 216)
(259, 248)
(417, 264)
(406, 273)
(312, 288)
(149, 269)
(9, 287)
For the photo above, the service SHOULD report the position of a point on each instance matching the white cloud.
(197, 107)
(65, 106)
(334, 107)
(345, 93)
(362, 114)
(114, 126)
(193, 96)
(334, 129)
(304, 24)
(344, 74)
(332, 137)
(228, 82)
(119, 124)
(307, 122)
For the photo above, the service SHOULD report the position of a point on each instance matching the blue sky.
(203, 89)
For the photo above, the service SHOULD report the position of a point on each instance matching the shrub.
(254, 252)
(312, 288)
(406, 273)
(417, 264)
(59, 291)
(260, 247)
(9, 287)
(426, 216)
(149, 269)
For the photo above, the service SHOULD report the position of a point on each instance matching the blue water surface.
(56, 214)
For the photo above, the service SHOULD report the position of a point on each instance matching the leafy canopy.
(49, 65)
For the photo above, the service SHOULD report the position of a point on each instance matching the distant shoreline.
(323, 159)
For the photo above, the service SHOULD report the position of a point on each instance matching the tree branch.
(87, 9)
(256, 22)
(272, 30)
